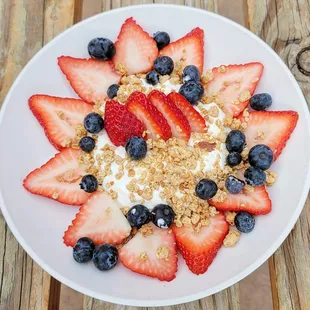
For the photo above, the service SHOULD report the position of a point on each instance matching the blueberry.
(233, 159)
(162, 39)
(83, 250)
(93, 123)
(105, 257)
(235, 141)
(87, 144)
(191, 73)
(261, 156)
(136, 148)
(163, 216)
(112, 91)
(255, 176)
(138, 215)
(206, 189)
(261, 102)
(234, 185)
(192, 91)
(163, 65)
(89, 183)
(244, 222)
(152, 78)
(101, 48)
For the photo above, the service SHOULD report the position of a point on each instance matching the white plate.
(39, 223)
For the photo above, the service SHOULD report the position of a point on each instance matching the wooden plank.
(284, 25)
(229, 298)
(25, 26)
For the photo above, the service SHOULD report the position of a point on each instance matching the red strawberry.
(59, 179)
(59, 116)
(177, 121)
(101, 220)
(256, 202)
(135, 49)
(200, 249)
(190, 48)
(272, 128)
(89, 78)
(120, 124)
(154, 121)
(234, 85)
(196, 121)
(153, 255)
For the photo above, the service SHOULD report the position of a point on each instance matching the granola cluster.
(172, 168)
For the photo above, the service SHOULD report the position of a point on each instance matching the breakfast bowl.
(39, 223)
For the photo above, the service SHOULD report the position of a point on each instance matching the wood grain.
(25, 26)
(285, 26)
(229, 298)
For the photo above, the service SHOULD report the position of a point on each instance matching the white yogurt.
(120, 185)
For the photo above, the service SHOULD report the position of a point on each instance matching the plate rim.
(192, 297)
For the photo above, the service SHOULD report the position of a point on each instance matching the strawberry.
(234, 85)
(190, 48)
(177, 121)
(196, 121)
(272, 128)
(120, 124)
(148, 114)
(101, 220)
(59, 116)
(135, 49)
(89, 78)
(153, 255)
(255, 202)
(59, 179)
(199, 249)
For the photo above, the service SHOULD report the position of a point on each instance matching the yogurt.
(119, 185)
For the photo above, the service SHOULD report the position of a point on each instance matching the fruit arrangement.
(161, 156)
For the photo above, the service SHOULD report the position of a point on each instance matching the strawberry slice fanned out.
(153, 254)
(59, 117)
(59, 179)
(136, 51)
(154, 121)
(89, 78)
(272, 128)
(199, 249)
(233, 85)
(189, 48)
(256, 202)
(196, 121)
(120, 124)
(177, 121)
(101, 220)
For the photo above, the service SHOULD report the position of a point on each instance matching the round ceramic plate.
(39, 223)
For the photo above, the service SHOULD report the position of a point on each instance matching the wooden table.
(26, 25)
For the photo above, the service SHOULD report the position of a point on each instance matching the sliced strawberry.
(190, 48)
(153, 255)
(255, 202)
(89, 78)
(147, 113)
(120, 124)
(234, 85)
(100, 219)
(59, 116)
(199, 249)
(272, 128)
(135, 49)
(59, 179)
(177, 121)
(196, 121)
